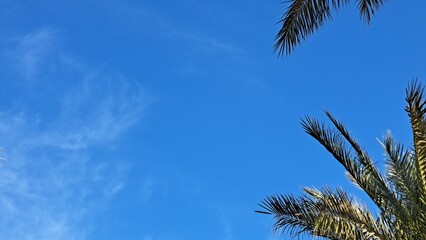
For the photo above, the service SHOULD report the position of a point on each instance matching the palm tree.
(399, 193)
(303, 17)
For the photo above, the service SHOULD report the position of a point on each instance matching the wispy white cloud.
(117, 107)
(31, 52)
(55, 174)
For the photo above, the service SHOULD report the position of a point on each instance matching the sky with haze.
(172, 120)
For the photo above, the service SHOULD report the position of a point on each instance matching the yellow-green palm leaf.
(399, 193)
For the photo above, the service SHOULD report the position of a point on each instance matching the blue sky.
(171, 120)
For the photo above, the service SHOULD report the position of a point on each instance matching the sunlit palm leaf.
(325, 214)
(401, 174)
(345, 217)
(400, 195)
(416, 110)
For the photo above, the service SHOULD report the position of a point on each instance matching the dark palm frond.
(291, 214)
(367, 8)
(362, 156)
(384, 197)
(330, 139)
(361, 171)
(301, 19)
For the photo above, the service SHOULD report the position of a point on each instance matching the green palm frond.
(401, 174)
(373, 183)
(401, 171)
(292, 215)
(303, 17)
(416, 111)
(360, 169)
(324, 214)
(399, 194)
(346, 217)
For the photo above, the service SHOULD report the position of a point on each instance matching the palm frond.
(360, 169)
(345, 217)
(402, 175)
(367, 8)
(384, 197)
(400, 195)
(401, 172)
(324, 214)
(301, 19)
(293, 215)
(416, 108)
